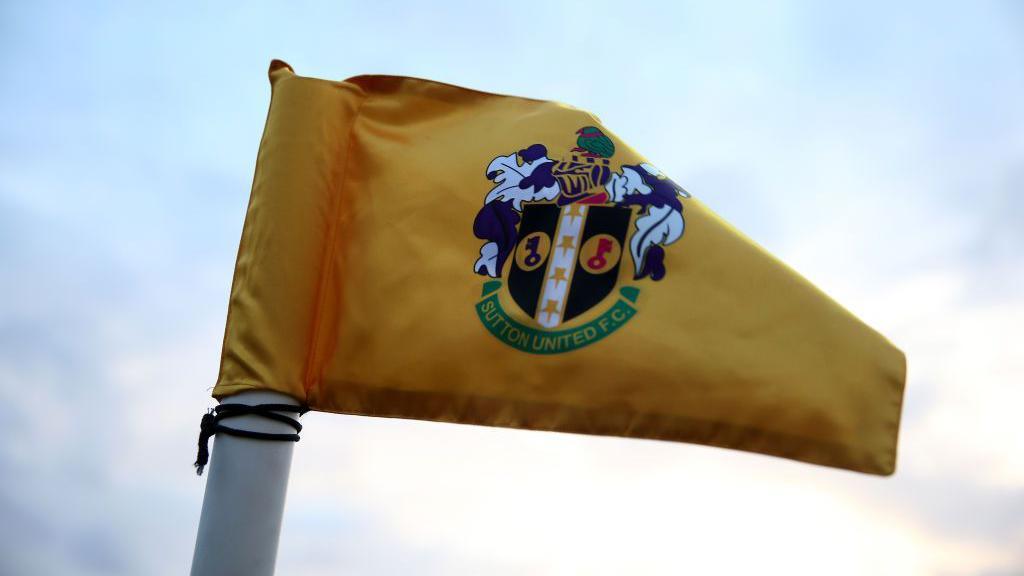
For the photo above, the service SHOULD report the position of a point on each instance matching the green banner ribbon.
(536, 341)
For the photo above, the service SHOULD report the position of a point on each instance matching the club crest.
(559, 233)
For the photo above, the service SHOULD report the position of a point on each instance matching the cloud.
(878, 156)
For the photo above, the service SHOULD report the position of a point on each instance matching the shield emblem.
(567, 259)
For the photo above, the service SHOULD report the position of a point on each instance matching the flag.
(414, 249)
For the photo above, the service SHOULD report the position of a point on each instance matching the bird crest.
(593, 143)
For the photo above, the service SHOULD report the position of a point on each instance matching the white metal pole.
(245, 492)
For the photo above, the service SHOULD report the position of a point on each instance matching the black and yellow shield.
(567, 259)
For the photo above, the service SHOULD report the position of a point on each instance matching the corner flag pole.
(240, 524)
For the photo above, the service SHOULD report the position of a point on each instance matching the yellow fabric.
(355, 292)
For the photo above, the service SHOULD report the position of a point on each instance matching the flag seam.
(481, 410)
(309, 380)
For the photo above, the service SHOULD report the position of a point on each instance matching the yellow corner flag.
(418, 250)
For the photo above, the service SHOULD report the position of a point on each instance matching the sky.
(876, 148)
